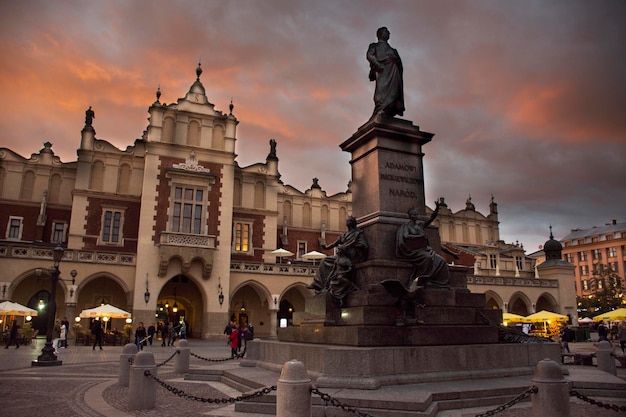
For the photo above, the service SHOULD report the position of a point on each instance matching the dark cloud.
(525, 98)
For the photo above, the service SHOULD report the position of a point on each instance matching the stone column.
(606, 361)
(552, 397)
(293, 395)
(142, 388)
(128, 354)
(181, 364)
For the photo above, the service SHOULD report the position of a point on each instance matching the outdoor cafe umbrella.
(282, 253)
(619, 314)
(544, 316)
(515, 318)
(313, 255)
(9, 308)
(106, 310)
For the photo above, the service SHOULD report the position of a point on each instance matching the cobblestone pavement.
(86, 385)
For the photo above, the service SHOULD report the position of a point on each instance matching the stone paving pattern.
(86, 385)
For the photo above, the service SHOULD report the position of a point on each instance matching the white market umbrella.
(586, 320)
(282, 253)
(313, 255)
(106, 310)
(9, 308)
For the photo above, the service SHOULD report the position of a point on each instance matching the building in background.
(172, 228)
(598, 255)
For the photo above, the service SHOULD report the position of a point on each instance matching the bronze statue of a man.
(386, 70)
(335, 274)
(89, 116)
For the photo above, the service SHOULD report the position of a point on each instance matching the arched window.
(193, 133)
(325, 214)
(343, 215)
(259, 195)
(97, 176)
(287, 212)
(306, 215)
(3, 175)
(54, 189)
(28, 183)
(168, 130)
(218, 138)
(237, 193)
(123, 179)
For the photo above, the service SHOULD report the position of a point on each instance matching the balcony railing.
(23, 251)
(184, 239)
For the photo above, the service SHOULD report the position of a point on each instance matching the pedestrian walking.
(170, 334)
(233, 337)
(96, 331)
(163, 330)
(140, 336)
(151, 333)
(65, 322)
(183, 329)
(63, 336)
(622, 336)
(13, 336)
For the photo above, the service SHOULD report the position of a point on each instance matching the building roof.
(612, 228)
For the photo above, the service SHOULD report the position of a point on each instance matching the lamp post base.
(47, 357)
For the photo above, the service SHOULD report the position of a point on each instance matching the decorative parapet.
(512, 282)
(272, 269)
(182, 239)
(23, 251)
(187, 248)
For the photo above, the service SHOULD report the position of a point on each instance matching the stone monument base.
(373, 367)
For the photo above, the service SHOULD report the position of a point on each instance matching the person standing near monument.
(13, 336)
(386, 69)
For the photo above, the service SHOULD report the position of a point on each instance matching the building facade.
(172, 228)
(594, 251)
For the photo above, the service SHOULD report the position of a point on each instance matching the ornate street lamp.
(47, 357)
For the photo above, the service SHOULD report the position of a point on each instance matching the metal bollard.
(130, 350)
(293, 396)
(606, 362)
(552, 397)
(142, 388)
(181, 362)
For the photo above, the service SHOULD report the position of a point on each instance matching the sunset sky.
(526, 99)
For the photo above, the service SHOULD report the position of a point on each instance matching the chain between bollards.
(238, 356)
(229, 400)
(177, 352)
(336, 403)
(531, 390)
(606, 406)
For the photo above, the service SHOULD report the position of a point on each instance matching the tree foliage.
(607, 291)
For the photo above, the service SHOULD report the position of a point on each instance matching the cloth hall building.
(173, 228)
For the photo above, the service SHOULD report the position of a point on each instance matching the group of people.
(568, 335)
(169, 333)
(238, 336)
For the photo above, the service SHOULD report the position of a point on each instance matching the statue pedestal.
(387, 179)
(375, 338)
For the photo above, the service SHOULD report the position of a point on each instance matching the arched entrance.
(292, 300)
(180, 299)
(248, 305)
